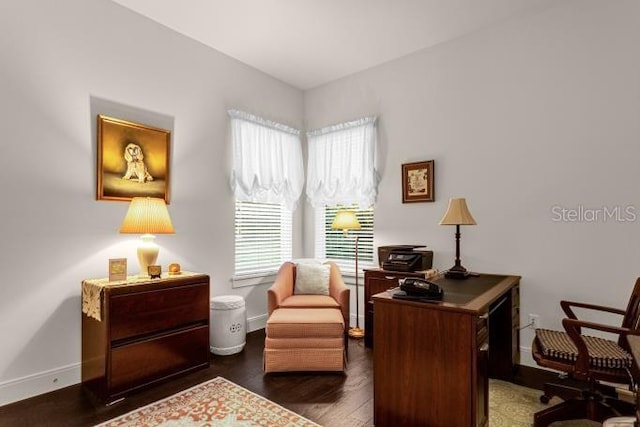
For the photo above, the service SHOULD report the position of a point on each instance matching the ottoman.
(304, 339)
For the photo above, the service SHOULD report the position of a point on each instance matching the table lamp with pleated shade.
(147, 216)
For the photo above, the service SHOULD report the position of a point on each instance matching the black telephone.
(422, 288)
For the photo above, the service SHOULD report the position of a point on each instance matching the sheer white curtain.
(267, 161)
(341, 165)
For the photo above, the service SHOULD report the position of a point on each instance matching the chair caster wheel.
(544, 399)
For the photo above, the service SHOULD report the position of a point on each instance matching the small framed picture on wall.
(417, 182)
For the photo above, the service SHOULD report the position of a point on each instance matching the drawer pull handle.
(389, 277)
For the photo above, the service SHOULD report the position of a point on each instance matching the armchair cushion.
(316, 323)
(603, 353)
(312, 279)
(309, 301)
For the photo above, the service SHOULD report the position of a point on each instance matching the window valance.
(267, 160)
(341, 164)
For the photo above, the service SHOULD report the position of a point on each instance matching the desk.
(432, 361)
(376, 281)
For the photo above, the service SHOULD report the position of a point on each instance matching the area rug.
(214, 403)
(511, 405)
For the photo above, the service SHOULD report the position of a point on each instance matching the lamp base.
(456, 273)
(147, 253)
(356, 332)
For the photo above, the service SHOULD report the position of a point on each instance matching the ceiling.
(307, 43)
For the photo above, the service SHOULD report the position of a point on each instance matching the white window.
(267, 180)
(262, 238)
(334, 245)
(342, 175)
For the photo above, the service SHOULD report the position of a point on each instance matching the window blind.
(262, 237)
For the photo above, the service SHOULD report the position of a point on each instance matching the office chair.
(588, 358)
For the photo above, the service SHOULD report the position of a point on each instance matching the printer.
(405, 258)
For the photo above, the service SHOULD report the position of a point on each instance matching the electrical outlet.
(534, 321)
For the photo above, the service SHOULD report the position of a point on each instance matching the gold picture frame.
(417, 182)
(133, 160)
(117, 269)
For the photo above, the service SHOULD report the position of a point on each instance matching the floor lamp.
(346, 220)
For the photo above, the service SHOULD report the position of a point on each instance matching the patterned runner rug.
(214, 403)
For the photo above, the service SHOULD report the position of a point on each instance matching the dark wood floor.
(328, 399)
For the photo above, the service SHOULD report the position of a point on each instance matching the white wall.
(60, 62)
(519, 118)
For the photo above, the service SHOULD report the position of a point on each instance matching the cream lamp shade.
(345, 220)
(457, 214)
(147, 216)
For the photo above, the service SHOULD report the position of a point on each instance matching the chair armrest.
(573, 328)
(576, 323)
(566, 307)
(339, 291)
(282, 287)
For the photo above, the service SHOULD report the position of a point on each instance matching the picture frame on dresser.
(117, 269)
(417, 182)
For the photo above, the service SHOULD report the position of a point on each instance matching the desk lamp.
(346, 220)
(147, 216)
(457, 214)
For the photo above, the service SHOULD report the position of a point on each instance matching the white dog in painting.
(136, 168)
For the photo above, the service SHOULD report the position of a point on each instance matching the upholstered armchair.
(308, 308)
(281, 293)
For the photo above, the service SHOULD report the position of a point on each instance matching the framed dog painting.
(133, 160)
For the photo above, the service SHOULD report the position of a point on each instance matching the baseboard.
(526, 358)
(39, 383)
(257, 322)
(54, 379)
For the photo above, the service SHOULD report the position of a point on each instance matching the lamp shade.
(147, 215)
(457, 214)
(345, 220)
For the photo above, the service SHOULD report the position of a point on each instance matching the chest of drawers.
(143, 332)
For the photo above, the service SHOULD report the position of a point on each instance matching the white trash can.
(228, 325)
